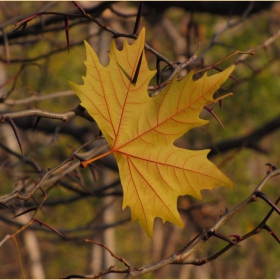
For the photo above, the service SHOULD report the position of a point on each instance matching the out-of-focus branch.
(65, 232)
(46, 55)
(248, 141)
(229, 25)
(36, 98)
(15, 19)
(264, 45)
(121, 14)
(31, 162)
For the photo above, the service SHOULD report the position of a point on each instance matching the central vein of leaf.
(129, 85)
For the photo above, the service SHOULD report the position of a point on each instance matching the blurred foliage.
(255, 101)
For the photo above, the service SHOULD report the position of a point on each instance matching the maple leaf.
(140, 131)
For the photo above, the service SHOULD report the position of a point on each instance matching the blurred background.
(35, 67)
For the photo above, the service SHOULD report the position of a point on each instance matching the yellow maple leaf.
(140, 131)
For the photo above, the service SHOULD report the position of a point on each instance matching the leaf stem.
(86, 162)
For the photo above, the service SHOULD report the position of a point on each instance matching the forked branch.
(181, 256)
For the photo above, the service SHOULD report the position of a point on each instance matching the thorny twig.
(198, 241)
(7, 237)
(186, 252)
(23, 23)
(35, 186)
(86, 229)
(110, 251)
(237, 239)
(176, 70)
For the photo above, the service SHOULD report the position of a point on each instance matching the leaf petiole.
(85, 163)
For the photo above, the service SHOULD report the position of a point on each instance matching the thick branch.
(57, 18)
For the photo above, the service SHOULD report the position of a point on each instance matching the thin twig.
(112, 254)
(36, 98)
(176, 69)
(63, 170)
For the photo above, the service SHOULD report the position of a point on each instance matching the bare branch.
(112, 254)
(264, 45)
(63, 168)
(79, 111)
(226, 28)
(36, 98)
(188, 250)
